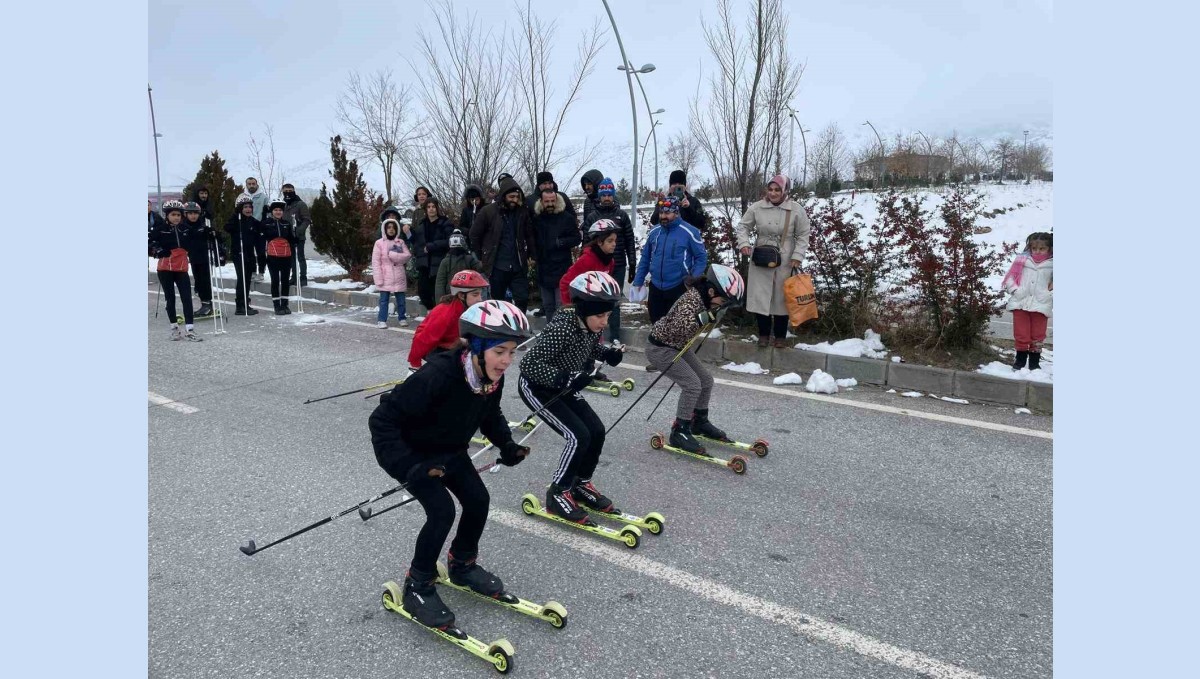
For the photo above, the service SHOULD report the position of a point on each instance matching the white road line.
(331, 319)
(979, 424)
(159, 400)
(812, 627)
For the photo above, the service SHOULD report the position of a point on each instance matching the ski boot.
(1035, 360)
(239, 311)
(422, 602)
(205, 310)
(176, 333)
(467, 573)
(682, 438)
(703, 427)
(191, 336)
(560, 503)
(586, 493)
(1020, 362)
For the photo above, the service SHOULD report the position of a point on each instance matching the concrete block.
(712, 351)
(1040, 397)
(367, 299)
(636, 339)
(743, 352)
(342, 297)
(319, 293)
(925, 378)
(798, 361)
(979, 387)
(865, 370)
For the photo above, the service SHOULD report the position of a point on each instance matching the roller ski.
(525, 426)
(612, 388)
(684, 442)
(704, 430)
(575, 517)
(591, 500)
(428, 611)
(552, 612)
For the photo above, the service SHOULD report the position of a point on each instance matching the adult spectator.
(672, 256)
(690, 208)
(296, 210)
(545, 180)
(504, 240)
(780, 223)
(260, 213)
(430, 243)
(152, 218)
(557, 232)
(472, 201)
(200, 197)
(590, 181)
(626, 252)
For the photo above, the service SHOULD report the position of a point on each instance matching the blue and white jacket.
(672, 251)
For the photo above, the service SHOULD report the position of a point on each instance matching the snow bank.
(307, 319)
(847, 382)
(869, 346)
(341, 284)
(912, 394)
(821, 382)
(750, 368)
(790, 378)
(324, 268)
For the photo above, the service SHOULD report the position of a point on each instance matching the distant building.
(166, 195)
(903, 164)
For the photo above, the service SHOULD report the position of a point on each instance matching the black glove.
(427, 469)
(691, 280)
(512, 454)
(613, 355)
(158, 253)
(579, 380)
(704, 318)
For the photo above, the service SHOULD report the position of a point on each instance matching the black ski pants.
(203, 275)
(169, 280)
(281, 272)
(462, 481)
(577, 423)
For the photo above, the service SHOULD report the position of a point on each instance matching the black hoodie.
(593, 177)
(205, 212)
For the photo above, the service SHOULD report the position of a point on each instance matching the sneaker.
(561, 503)
(256, 278)
(600, 377)
(586, 492)
(204, 310)
(471, 574)
(382, 325)
(422, 602)
(780, 343)
(651, 369)
(538, 313)
(176, 333)
(251, 311)
(192, 336)
(403, 322)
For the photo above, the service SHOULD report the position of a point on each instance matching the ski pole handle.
(366, 513)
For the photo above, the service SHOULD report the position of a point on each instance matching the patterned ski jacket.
(562, 348)
(680, 324)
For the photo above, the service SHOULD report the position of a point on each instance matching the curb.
(1037, 396)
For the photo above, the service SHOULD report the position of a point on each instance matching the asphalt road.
(867, 543)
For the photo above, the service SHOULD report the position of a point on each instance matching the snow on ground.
(307, 319)
(847, 382)
(750, 368)
(870, 346)
(1001, 369)
(912, 394)
(821, 382)
(790, 378)
(1023, 411)
(370, 289)
(897, 359)
(954, 400)
(716, 334)
(341, 284)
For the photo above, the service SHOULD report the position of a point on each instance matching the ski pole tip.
(364, 513)
(248, 549)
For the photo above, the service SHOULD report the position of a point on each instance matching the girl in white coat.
(1030, 284)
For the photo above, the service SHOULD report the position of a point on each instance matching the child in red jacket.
(439, 330)
(597, 255)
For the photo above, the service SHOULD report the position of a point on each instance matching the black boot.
(1035, 360)
(204, 310)
(467, 573)
(681, 437)
(240, 311)
(251, 311)
(278, 307)
(422, 602)
(560, 502)
(1020, 362)
(702, 427)
(284, 305)
(587, 493)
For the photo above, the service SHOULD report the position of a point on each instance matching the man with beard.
(504, 240)
(590, 183)
(296, 210)
(260, 213)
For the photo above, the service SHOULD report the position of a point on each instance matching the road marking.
(810, 626)
(979, 424)
(331, 319)
(160, 400)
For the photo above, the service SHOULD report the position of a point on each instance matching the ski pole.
(356, 391)
(720, 315)
(251, 549)
(660, 376)
(157, 297)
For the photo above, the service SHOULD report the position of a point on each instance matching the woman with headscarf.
(779, 228)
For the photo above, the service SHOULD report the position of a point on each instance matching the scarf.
(475, 382)
(1018, 265)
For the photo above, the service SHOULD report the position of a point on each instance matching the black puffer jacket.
(163, 238)
(201, 240)
(435, 235)
(434, 413)
(270, 228)
(556, 233)
(243, 233)
(562, 348)
(626, 251)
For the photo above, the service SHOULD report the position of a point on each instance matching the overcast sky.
(220, 70)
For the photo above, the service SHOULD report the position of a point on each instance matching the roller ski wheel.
(610, 388)
(628, 535)
(628, 384)
(652, 521)
(552, 611)
(499, 653)
(737, 463)
(760, 447)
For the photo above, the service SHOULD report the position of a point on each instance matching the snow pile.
(370, 289)
(341, 284)
(790, 378)
(324, 268)
(1043, 374)
(870, 346)
(896, 359)
(750, 368)
(751, 339)
(716, 334)
(847, 382)
(954, 400)
(307, 319)
(821, 382)
(1023, 411)
(912, 394)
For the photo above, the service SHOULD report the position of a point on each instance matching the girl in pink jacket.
(387, 266)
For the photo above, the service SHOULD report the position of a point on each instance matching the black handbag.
(766, 255)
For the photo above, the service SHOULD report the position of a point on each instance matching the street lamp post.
(650, 114)
(792, 144)
(1025, 159)
(633, 216)
(650, 134)
(882, 149)
(154, 128)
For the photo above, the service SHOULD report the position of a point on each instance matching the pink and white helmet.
(728, 281)
(595, 286)
(493, 319)
(601, 228)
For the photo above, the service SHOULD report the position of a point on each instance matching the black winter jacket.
(564, 346)
(270, 228)
(163, 238)
(201, 240)
(243, 233)
(556, 233)
(692, 214)
(434, 413)
(591, 200)
(437, 236)
(626, 251)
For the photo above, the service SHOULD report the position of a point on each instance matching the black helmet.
(278, 203)
(191, 206)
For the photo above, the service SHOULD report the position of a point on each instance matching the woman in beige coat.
(775, 220)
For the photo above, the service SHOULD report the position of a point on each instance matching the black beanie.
(677, 177)
(590, 307)
(544, 177)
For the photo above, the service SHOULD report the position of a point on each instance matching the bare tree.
(529, 55)
(683, 152)
(376, 123)
(1035, 160)
(740, 129)
(1005, 154)
(830, 154)
(467, 132)
(263, 162)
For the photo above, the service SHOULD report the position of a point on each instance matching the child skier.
(168, 242)
(720, 287)
(387, 267)
(279, 236)
(555, 370)
(459, 258)
(242, 228)
(420, 432)
(439, 330)
(597, 255)
(1030, 282)
(202, 242)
